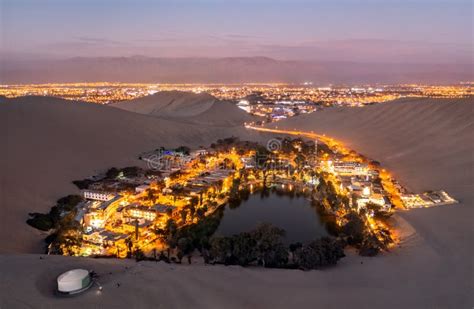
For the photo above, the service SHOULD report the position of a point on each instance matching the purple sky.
(404, 31)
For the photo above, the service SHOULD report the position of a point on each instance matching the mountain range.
(225, 70)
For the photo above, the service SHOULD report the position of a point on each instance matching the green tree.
(269, 246)
(185, 248)
(319, 253)
(293, 248)
(370, 246)
(221, 249)
(68, 202)
(354, 228)
(243, 249)
(171, 229)
(40, 221)
(151, 195)
(112, 173)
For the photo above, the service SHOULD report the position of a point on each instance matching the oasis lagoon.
(294, 214)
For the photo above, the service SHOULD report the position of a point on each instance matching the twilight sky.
(403, 31)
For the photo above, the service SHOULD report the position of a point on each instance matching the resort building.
(350, 168)
(137, 211)
(141, 212)
(98, 195)
(102, 237)
(142, 188)
(99, 214)
(198, 153)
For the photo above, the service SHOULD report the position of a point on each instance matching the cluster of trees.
(305, 148)
(319, 253)
(297, 145)
(50, 220)
(264, 246)
(227, 143)
(237, 194)
(60, 219)
(360, 236)
(129, 172)
(355, 230)
(190, 212)
(66, 237)
(328, 193)
(184, 241)
(183, 149)
(112, 173)
(83, 184)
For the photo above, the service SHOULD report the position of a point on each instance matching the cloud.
(84, 45)
(364, 50)
(94, 40)
(370, 51)
(242, 36)
(158, 40)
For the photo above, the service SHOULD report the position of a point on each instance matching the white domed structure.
(74, 281)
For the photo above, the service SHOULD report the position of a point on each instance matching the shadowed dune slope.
(425, 142)
(187, 107)
(428, 144)
(49, 142)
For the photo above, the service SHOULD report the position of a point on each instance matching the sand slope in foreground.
(432, 269)
(428, 144)
(47, 143)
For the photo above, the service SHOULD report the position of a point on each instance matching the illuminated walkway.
(327, 140)
(385, 176)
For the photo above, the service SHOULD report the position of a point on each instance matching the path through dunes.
(428, 144)
(431, 269)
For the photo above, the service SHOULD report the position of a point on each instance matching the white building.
(74, 281)
(198, 153)
(142, 188)
(245, 105)
(98, 195)
(350, 168)
(376, 199)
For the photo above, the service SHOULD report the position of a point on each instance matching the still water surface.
(295, 215)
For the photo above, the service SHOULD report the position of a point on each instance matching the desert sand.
(47, 143)
(426, 143)
(188, 107)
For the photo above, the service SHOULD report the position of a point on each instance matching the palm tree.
(184, 213)
(151, 195)
(129, 243)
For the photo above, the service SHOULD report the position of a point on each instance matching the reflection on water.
(294, 214)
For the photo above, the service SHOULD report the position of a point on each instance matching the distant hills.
(225, 70)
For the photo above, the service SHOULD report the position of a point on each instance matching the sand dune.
(49, 142)
(188, 107)
(427, 143)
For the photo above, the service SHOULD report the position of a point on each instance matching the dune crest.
(49, 142)
(187, 107)
(426, 143)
